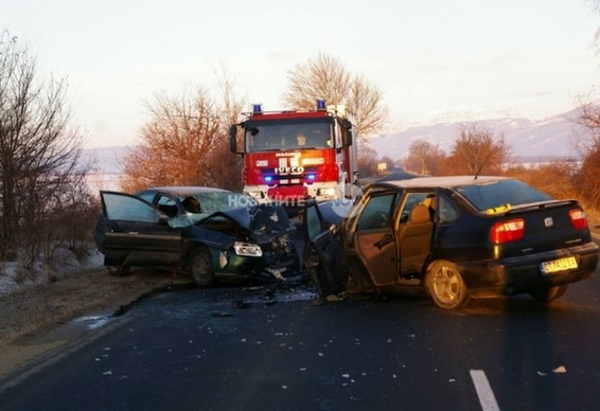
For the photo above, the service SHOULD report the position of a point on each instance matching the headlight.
(247, 249)
(330, 191)
(256, 194)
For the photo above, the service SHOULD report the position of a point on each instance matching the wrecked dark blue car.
(206, 232)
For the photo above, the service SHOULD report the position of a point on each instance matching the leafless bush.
(39, 159)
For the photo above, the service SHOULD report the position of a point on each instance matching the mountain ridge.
(553, 137)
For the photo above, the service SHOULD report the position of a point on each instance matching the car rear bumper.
(521, 274)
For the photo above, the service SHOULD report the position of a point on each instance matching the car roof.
(446, 181)
(181, 190)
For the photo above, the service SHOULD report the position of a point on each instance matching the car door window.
(412, 199)
(312, 221)
(447, 212)
(377, 213)
(128, 208)
(167, 205)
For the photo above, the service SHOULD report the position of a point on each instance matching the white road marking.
(484, 391)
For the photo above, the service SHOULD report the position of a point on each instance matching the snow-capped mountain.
(528, 139)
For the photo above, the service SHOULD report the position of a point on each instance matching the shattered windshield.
(198, 206)
(501, 195)
(279, 135)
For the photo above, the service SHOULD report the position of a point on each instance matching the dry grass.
(42, 306)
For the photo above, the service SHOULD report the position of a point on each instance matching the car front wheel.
(547, 294)
(446, 286)
(201, 266)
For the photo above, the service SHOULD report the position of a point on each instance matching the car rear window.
(502, 193)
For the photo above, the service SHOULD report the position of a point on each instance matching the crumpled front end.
(281, 258)
(271, 228)
(263, 236)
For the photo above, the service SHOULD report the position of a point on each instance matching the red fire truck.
(292, 155)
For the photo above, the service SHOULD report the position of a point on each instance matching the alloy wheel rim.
(446, 285)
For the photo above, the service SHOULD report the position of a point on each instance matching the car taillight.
(578, 219)
(507, 231)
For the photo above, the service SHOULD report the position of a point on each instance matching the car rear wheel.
(201, 266)
(547, 294)
(446, 286)
(118, 270)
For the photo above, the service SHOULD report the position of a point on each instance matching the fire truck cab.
(290, 156)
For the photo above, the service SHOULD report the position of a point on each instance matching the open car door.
(135, 232)
(323, 253)
(374, 238)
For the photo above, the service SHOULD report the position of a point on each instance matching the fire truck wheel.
(201, 266)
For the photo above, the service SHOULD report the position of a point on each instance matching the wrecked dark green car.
(206, 232)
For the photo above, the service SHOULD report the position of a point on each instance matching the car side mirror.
(163, 219)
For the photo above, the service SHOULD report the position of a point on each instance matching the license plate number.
(561, 264)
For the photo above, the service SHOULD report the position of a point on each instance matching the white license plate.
(561, 264)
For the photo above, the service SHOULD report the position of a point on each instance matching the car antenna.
(478, 171)
(481, 166)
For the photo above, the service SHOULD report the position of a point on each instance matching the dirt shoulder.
(31, 313)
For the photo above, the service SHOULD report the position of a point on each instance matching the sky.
(433, 60)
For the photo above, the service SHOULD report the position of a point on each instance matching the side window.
(312, 221)
(447, 211)
(147, 195)
(167, 205)
(412, 199)
(377, 213)
(127, 208)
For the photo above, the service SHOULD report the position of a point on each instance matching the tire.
(446, 286)
(201, 267)
(547, 294)
(118, 270)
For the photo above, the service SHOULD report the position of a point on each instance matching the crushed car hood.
(265, 223)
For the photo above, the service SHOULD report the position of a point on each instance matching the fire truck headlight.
(268, 179)
(255, 194)
(311, 177)
(247, 249)
(326, 192)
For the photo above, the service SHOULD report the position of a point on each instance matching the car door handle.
(385, 240)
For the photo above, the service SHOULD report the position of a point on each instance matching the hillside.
(530, 140)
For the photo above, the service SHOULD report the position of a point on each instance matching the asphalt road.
(196, 349)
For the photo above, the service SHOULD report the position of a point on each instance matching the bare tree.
(424, 157)
(367, 160)
(226, 167)
(185, 142)
(587, 143)
(175, 142)
(38, 147)
(595, 8)
(587, 132)
(476, 151)
(586, 180)
(326, 78)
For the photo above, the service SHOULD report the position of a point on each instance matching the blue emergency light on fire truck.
(292, 155)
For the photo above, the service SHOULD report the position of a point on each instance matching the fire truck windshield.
(279, 135)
